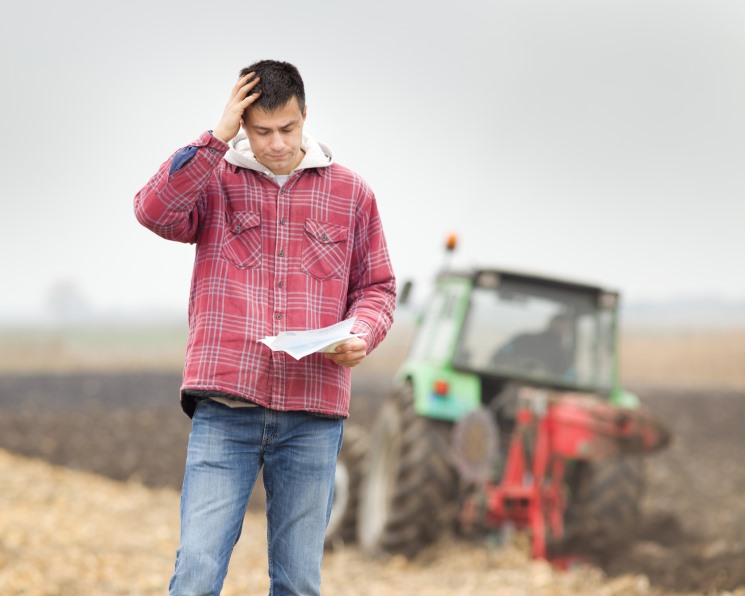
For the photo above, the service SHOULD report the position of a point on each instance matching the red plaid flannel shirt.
(271, 259)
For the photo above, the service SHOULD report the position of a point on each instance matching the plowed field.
(129, 427)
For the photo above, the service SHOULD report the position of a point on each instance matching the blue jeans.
(227, 448)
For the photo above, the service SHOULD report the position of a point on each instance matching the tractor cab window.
(439, 325)
(548, 333)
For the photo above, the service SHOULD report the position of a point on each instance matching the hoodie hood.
(317, 155)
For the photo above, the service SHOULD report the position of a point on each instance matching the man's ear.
(305, 112)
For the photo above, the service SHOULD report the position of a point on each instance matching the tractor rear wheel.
(342, 526)
(605, 503)
(409, 492)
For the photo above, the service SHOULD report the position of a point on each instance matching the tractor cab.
(541, 330)
(483, 329)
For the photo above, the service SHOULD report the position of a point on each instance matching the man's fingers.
(240, 99)
(243, 87)
(349, 354)
(345, 359)
(246, 87)
(242, 81)
(247, 101)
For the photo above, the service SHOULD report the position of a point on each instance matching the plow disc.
(552, 430)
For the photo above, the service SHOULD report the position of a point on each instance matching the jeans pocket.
(242, 242)
(324, 250)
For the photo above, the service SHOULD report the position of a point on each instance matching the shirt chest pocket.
(324, 250)
(242, 242)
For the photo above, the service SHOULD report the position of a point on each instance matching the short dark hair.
(280, 82)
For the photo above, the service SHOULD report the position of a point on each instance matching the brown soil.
(71, 533)
(130, 427)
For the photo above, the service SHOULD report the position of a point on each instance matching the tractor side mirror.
(405, 293)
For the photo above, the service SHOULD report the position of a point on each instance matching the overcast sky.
(598, 140)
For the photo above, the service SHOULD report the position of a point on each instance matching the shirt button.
(237, 229)
(281, 253)
(279, 317)
(279, 285)
(281, 222)
(212, 150)
(323, 237)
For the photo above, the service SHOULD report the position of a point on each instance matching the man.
(286, 239)
(549, 351)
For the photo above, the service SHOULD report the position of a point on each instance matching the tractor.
(507, 414)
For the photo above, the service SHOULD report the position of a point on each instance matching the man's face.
(275, 137)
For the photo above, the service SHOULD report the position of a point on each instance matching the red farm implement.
(552, 432)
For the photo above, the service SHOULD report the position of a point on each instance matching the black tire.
(605, 504)
(409, 493)
(342, 526)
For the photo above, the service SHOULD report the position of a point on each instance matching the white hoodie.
(317, 155)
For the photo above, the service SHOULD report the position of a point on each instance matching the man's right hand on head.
(240, 98)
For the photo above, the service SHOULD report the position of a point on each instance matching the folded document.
(299, 344)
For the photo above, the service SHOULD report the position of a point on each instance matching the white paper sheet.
(299, 344)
